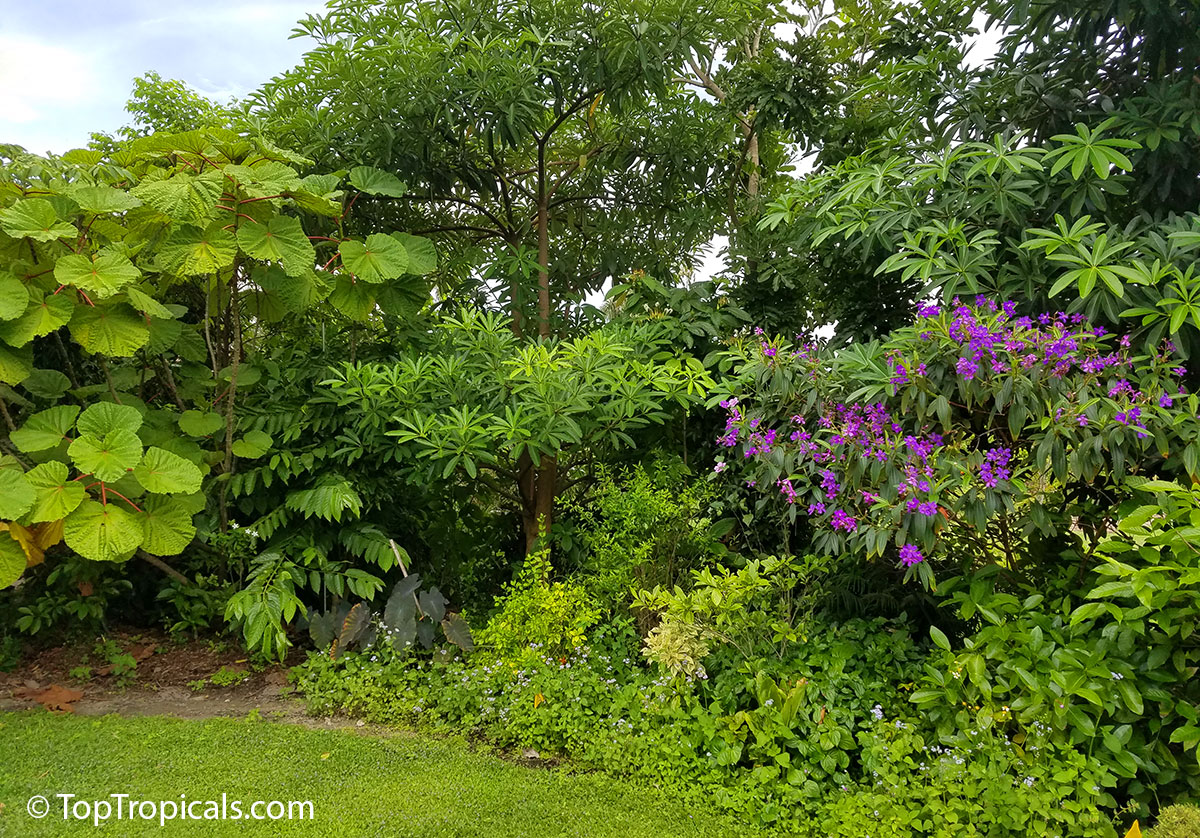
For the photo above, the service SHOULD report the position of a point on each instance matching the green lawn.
(391, 787)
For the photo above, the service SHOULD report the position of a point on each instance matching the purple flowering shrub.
(962, 434)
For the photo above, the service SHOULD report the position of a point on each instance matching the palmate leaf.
(103, 275)
(185, 197)
(105, 417)
(16, 493)
(294, 293)
(200, 423)
(194, 252)
(45, 429)
(167, 527)
(377, 182)
(16, 363)
(265, 179)
(102, 532)
(166, 473)
(380, 257)
(14, 298)
(43, 315)
(403, 297)
(35, 218)
(102, 199)
(356, 300)
(12, 560)
(56, 494)
(281, 240)
(107, 458)
(422, 255)
(113, 329)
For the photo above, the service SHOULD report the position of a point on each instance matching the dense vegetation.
(892, 527)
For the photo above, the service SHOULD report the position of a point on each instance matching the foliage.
(1178, 821)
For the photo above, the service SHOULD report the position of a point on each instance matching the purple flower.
(1083, 421)
(768, 350)
(816, 508)
(1165, 401)
(966, 368)
(900, 375)
(911, 555)
(720, 467)
(842, 521)
(995, 467)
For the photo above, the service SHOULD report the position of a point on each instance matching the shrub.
(1177, 822)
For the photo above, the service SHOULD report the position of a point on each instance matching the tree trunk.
(543, 234)
(538, 488)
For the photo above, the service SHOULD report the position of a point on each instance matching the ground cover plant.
(400, 371)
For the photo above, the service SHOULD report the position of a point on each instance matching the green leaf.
(14, 298)
(252, 444)
(15, 364)
(16, 494)
(101, 276)
(380, 257)
(35, 218)
(102, 533)
(939, 637)
(185, 197)
(167, 527)
(422, 256)
(43, 316)
(105, 417)
(102, 199)
(356, 300)
(166, 473)
(403, 297)
(200, 423)
(47, 384)
(377, 182)
(45, 429)
(282, 240)
(12, 560)
(146, 304)
(328, 499)
(194, 252)
(458, 632)
(56, 494)
(107, 458)
(1131, 696)
(110, 329)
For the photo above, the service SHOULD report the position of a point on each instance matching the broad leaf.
(12, 560)
(166, 473)
(193, 252)
(113, 329)
(422, 256)
(14, 298)
(47, 384)
(56, 494)
(252, 444)
(104, 417)
(102, 199)
(16, 493)
(200, 423)
(167, 527)
(101, 276)
(356, 300)
(377, 182)
(185, 197)
(433, 604)
(102, 532)
(45, 429)
(146, 304)
(282, 240)
(354, 626)
(44, 315)
(35, 218)
(380, 257)
(16, 363)
(458, 632)
(107, 458)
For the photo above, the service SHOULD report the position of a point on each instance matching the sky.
(67, 66)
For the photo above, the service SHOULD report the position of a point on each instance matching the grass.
(359, 785)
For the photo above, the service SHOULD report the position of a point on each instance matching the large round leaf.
(194, 252)
(107, 458)
(102, 532)
(356, 300)
(14, 298)
(44, 315)
(56, 494)
(35, 218)
(281, 240)
(185, 197)
(146, 304)
(102, 199)
(115, 330)
(422, 256)
(200, 423)
(104, 417)
(12, 560)
(47, 384)
(16, 493)
(380, 257)
(15, 363)
(253, 444)
(167, 527)
(45, 429)
(166, 473)
(377, 182)
(103, 275)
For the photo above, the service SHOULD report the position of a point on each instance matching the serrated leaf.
(107, 458)
(105, 417)
(16, 493)
(12, 560)
(422, 255)
(56, 495)
(295, 293)
(102, 199)
(377, 182)
(43, 315)
(45, 429)
(113, 329)
(281, 240)
(403, 297)
(167, 527)
(103, 275)
(184, 197)
(47, 384)
(16, 363)
(356, 300)
(35, 218)
(380, 257)
(200, 423)
(165, 473)
(194, 252)
(252, 444)
(102, 533)
(163, 334)
(14, 298)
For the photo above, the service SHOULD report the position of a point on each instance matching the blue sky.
(67, 66)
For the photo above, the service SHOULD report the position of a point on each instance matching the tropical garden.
(411, 373)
